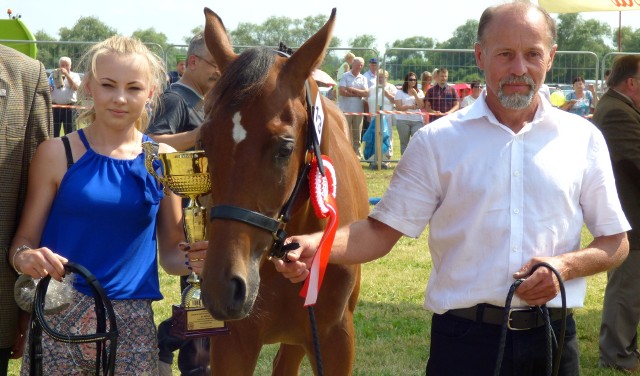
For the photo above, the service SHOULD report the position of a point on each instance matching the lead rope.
(278, 248)
(552, 362)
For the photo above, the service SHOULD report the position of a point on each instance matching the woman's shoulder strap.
(67, 151)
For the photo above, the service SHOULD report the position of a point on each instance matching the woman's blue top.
(583, 105)
(104, 218)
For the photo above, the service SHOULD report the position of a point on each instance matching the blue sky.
(175, 18)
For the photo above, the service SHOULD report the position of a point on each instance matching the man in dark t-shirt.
(181, 113)
(177, 123)
(181, 110)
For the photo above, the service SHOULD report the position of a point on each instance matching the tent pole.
(619, 31)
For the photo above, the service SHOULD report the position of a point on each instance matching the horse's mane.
(244, 77)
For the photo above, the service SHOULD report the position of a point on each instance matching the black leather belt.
(519, 318)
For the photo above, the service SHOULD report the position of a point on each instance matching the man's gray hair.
(197, 45)
(522, 6)
(64, 58)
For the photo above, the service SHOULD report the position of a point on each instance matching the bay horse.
(255, 136)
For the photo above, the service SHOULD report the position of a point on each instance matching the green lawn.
(392, 329)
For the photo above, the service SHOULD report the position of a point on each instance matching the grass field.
(392, 328)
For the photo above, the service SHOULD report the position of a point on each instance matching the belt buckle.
(509, 317)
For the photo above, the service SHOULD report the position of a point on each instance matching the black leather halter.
(277, 226)
(104, 310)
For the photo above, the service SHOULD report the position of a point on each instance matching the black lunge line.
(105, 360)
(552, 362)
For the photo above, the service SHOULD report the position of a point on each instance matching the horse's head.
(255, 138)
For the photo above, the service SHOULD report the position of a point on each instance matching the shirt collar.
(623, 95)
(480, 110)
(189, 87)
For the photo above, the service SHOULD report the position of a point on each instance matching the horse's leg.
(233, 356)
(337, 348)
(287, 360)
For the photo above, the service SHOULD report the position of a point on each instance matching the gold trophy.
(187, 175)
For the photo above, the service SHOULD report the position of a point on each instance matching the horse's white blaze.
(239, 133)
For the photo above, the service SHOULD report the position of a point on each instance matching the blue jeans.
(463, 347)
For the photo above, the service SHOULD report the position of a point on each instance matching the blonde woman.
(346, 65)
(426, 79)
(90, 200)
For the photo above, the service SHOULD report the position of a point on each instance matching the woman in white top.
(409, 99)
(384, 97)
(476, 88)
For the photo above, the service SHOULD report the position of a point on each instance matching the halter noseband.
(277, 226)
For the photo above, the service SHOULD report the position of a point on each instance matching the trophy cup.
(187, 175)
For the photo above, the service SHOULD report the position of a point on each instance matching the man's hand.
(541, 286)
(298, 261)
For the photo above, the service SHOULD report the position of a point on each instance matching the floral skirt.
(137, 351)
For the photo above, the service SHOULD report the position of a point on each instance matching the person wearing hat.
(372, 74)
(174, 76)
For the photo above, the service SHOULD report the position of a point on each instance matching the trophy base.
(195, 323)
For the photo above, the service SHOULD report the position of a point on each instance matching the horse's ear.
(217, 40)
(311, 53)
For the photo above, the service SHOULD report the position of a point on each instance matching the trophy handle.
(151, 154)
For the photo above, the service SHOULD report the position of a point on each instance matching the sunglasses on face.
(412, 79)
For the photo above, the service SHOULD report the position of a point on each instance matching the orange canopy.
(576, 6)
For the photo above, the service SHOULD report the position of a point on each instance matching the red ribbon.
(323, 192)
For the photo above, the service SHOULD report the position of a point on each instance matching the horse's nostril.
(238, 293)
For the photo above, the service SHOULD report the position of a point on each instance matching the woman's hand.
(195, 254)
(40, 262)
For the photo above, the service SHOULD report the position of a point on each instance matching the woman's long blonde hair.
(121, 45)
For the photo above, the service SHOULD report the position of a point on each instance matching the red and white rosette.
(323, 198)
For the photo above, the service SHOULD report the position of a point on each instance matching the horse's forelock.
(244, 78)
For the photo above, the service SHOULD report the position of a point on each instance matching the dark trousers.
(621, 315)
(193, 357)
(62, 116)
(4, 360)
(461, 347)
(365, 124)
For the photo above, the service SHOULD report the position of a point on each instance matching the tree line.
(574, 34)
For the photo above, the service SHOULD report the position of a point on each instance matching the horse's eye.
(286, 149)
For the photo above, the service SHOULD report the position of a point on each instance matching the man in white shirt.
(370, 75)
(353, 87)
(503, 186)
(64, 86)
